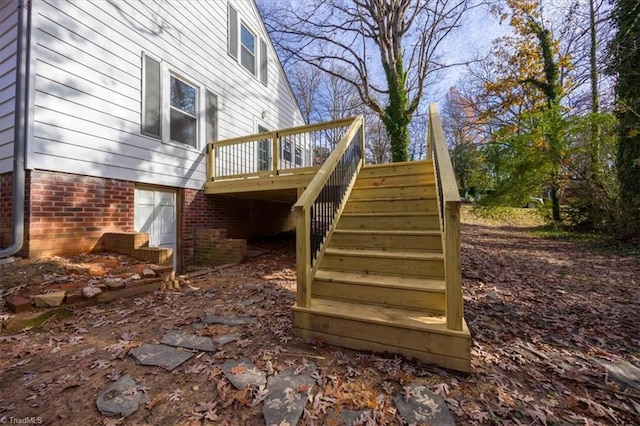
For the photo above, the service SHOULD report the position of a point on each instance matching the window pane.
(247, 39)
(248, 61)
(286, 151)
(183, 128)
(298, 156)
(248, 49)
(183, 96)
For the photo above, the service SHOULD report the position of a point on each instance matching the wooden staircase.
(380, 282)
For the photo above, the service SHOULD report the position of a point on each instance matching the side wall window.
(176, 109)
(183, 112)
(246, 47)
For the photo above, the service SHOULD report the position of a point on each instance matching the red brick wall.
(241, 218)
(213, 248)
(68, 214)
(5, 210)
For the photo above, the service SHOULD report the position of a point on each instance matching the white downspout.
(20, 128)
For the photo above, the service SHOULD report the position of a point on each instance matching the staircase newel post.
(303, 257)
(363, 140)
(453, 267)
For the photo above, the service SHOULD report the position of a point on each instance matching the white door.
(155, 214)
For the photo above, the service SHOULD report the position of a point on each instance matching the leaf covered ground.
(542, 313)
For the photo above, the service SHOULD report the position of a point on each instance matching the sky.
(477, 31)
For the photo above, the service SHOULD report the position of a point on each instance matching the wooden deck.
(285, 186)
(377, 247)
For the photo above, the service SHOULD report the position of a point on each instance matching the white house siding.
(87, 103)
(8, 48)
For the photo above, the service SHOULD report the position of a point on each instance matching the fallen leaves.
(539, 311)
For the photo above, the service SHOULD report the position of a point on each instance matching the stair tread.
(425, 284)
(384, 315)
(391, 185)
(389, 254)
(391, 214)
(399, 198)
(395, 232)
(378, 170)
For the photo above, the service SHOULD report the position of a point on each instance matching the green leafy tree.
(529, 84)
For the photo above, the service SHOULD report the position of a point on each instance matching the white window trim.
(256, 48)
(167, 72)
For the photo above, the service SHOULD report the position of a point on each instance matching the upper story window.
(247, 49)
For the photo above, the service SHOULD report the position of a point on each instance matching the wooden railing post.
(430, 140)
(211, 162)
(453, 267)
(364, 144)
(276, 152)
(303, 257)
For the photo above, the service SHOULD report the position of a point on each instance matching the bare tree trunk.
(595, 97)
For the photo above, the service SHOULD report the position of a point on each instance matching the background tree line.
(552, 111)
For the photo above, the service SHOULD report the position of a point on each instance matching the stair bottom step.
(409, 333)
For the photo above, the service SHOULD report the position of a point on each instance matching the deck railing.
(321, 204)
(449, 204)
(279, 152)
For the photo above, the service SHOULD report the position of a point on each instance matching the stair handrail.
(335, 180)
(449, 204)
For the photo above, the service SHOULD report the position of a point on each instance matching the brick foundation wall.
(239, 217)
(68, 214)
(6, 205)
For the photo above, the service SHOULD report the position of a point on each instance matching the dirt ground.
(541, 313)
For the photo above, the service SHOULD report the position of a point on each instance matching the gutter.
(20, 128)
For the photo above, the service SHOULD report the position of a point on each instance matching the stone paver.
(90, 292)
(189, 341)
(288, 394)
(623, 372)
(344, 417)
(226, 338)
(160, 355)
(250, 301)
(242, 373)
(423, 407)
(49, 299)
(121, 398)
(230, 321)
(148, 273)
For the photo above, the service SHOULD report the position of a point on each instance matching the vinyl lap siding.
(88, 85)
(8, 48)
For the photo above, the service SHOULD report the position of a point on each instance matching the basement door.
(155, 214)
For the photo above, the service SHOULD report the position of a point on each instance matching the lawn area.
(545, 315)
